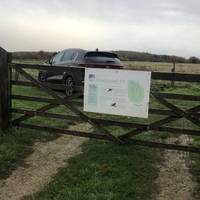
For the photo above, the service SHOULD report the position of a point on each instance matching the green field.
(163, 67)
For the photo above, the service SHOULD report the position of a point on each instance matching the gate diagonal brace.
(154, 126)
(194, 109)
(179, 112)
(131, 134)
(67, 104)
(157, 124)
(27, 116)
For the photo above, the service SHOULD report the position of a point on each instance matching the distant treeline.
(140, 56)
(39, 55)
(123, 55)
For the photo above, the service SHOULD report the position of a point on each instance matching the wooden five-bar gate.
(171, 112)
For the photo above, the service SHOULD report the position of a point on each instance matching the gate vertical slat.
(5, 100)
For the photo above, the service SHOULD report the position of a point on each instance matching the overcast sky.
(156, 26)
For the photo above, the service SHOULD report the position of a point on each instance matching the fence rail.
(167, 76)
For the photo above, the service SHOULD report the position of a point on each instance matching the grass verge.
(106, 171)
(15, 145)
(195, 168)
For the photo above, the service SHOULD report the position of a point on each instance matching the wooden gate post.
(4, 90)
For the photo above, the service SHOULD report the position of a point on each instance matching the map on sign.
(117, 92)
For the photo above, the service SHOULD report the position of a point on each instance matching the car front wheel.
(42, 77)
(69, 83)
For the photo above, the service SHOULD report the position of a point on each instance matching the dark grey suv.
(74, 61)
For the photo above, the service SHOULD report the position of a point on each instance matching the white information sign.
(117, 92)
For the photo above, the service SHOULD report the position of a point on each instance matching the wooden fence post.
(173, 70)
(5, 101)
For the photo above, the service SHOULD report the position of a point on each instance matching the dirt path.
(41, 166)
(175, 180)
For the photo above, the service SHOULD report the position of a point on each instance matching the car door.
(68, 61)
(53, 76)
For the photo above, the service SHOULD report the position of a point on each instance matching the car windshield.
(101, 57)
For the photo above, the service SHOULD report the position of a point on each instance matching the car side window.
(57, 58)
(68, 56)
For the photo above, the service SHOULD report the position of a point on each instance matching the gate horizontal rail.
(171, 113)
(166, 76)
